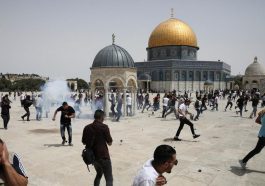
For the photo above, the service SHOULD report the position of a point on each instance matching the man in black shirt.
(146, 102)
(97, 136)
(5, 106)
(240, 104)
(26, 104)
(67, 112)
(255, 102)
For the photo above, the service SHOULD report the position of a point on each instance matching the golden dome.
(172, 32)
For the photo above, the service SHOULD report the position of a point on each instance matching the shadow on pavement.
(241, 172)
(182, 140)
(43, 131)
(55, 145)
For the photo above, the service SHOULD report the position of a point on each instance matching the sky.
(60, 38)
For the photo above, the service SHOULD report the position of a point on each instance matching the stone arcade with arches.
(113, 71)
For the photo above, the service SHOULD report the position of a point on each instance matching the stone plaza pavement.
(211, 159)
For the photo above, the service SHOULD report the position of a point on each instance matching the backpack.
(88, 157)
(88, 154)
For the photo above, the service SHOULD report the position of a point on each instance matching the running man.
(67, 112)
(261, 141)
(183, 111)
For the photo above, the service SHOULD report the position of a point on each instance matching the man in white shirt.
(183, 111)
(38, 106)
(128, 105)
(151, 173)
(215, 103)
(165, 105)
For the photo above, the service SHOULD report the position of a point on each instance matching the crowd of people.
(97, 135)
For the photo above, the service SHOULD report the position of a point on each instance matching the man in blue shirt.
(261, 141)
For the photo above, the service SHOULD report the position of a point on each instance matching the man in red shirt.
(97, 136)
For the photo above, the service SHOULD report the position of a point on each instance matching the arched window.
(183, 75)
(198, 76)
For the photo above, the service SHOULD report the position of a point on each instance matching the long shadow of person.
(172, 140)
(241, 172)
(55, 145)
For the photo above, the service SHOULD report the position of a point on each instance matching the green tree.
(82, 84)
(5, 85)
(28, 84)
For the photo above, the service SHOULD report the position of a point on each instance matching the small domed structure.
(254, 76)
(113, 72)
(113, 56)
(255, 69)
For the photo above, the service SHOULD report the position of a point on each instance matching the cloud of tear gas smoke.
(55, 92)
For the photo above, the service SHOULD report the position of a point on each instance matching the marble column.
(133, 96)
(106, 101)
(124, 102)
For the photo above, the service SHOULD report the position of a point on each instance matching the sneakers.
(176, 139)
(70, 144)
(242, 164)
(196, 136)
(64, 141)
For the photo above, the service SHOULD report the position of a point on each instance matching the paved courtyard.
(225, 138)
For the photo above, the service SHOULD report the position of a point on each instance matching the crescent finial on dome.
(113, 38)
(172, 13)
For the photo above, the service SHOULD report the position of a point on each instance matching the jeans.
(256, 150)
(27, 113)
(198, 114)
(119, 113)
(129, 107)
(38, 113)
(69, 131)
(172, 109)
(112, 110)
(156, 106)
(165, 108)
(254, 111)
(240, 110)
(203, 106)
(229, 103)
(146, 104)
(103, 166)
(215, 106)
(6, 119)
(184, 120)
